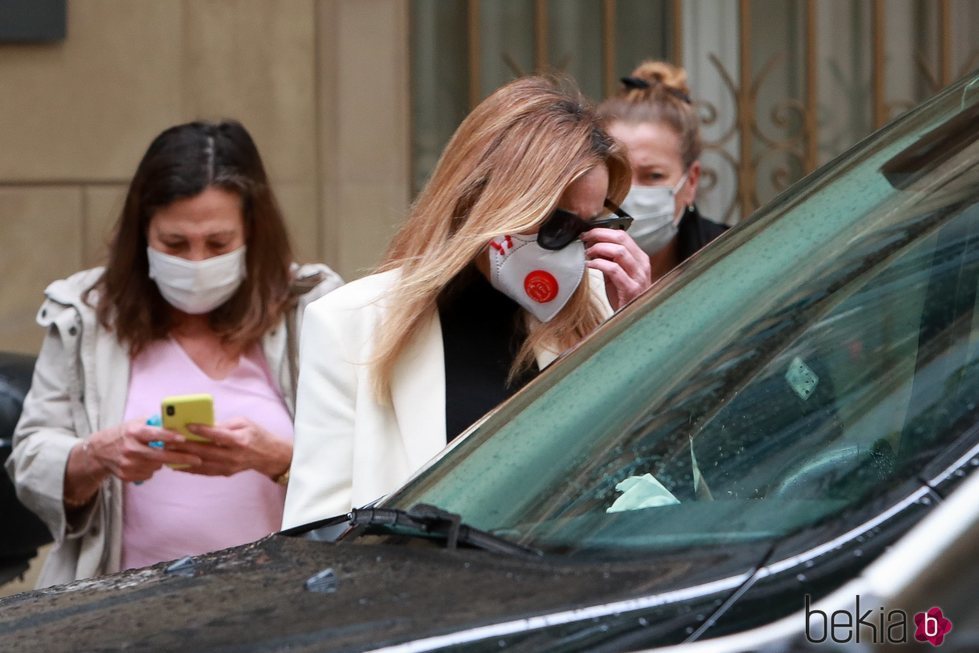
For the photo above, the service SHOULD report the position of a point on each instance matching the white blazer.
(351, 449)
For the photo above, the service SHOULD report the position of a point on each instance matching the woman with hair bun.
(655, 118)
(512, 253)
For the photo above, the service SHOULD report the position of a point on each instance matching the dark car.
(754, 431)
(22, 531)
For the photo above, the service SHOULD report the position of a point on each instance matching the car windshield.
(810, 360)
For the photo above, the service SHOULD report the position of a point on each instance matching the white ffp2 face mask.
(654, 211)
(540, 280)
(197, 287)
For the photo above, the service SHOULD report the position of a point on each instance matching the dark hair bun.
(652, 76)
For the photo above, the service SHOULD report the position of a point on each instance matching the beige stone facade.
(322, 85)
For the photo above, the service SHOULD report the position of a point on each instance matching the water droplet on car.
(801, 578)
(858, 553)
(501, 643)
(643, 622)
(323, 582)
(809, 564)
(925, 501)
(183, 567)
(689, 630)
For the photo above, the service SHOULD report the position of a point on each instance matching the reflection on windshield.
(820, 361)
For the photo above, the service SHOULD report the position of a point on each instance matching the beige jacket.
(350, 448)
(80, 385)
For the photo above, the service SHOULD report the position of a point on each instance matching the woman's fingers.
(147, 434)
(236, 445)
(134, 451)
(217, 459)
(219, 435)
(624, 265)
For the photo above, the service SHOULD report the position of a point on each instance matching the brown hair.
(503, 172)
(180, 163)
(657, 92)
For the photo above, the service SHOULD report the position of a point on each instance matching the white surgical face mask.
(197, 287)
(540, 280)
(654, 210)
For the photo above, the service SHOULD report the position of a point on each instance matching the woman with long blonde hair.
(482, 287)
(656, 120)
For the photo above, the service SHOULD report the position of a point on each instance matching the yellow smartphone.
(180, 410)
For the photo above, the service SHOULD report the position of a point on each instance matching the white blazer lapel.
(418, 394)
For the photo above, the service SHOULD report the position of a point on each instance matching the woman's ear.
(688, 194)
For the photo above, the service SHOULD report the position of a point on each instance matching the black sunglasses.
(562, 227)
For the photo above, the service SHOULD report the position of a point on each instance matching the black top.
(695, 231)
(482, 331)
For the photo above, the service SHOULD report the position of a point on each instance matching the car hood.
(254, 597)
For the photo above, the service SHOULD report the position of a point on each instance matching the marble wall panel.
(85, 107)
(102, 207)
(41, 242)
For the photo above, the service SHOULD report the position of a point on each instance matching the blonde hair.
(657, 92)
(502, 172)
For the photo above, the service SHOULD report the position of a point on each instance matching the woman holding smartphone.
(512, 253)
(199, 295)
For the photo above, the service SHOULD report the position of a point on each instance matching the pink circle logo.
(932, 626)
(541, 286)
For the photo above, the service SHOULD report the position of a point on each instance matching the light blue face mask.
(655, 212)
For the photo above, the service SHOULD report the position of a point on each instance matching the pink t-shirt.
(176, 513)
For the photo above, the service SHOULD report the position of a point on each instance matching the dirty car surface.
(256, 597)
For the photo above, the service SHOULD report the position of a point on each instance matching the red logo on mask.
(541, 286)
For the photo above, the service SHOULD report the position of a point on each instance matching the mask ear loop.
(683, 181)
(689, 207)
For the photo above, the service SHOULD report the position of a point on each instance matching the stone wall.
(322, 85)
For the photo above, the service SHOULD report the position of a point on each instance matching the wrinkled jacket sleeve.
(46, 434)
(321, 476)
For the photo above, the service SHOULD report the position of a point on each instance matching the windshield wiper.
(424, 520)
